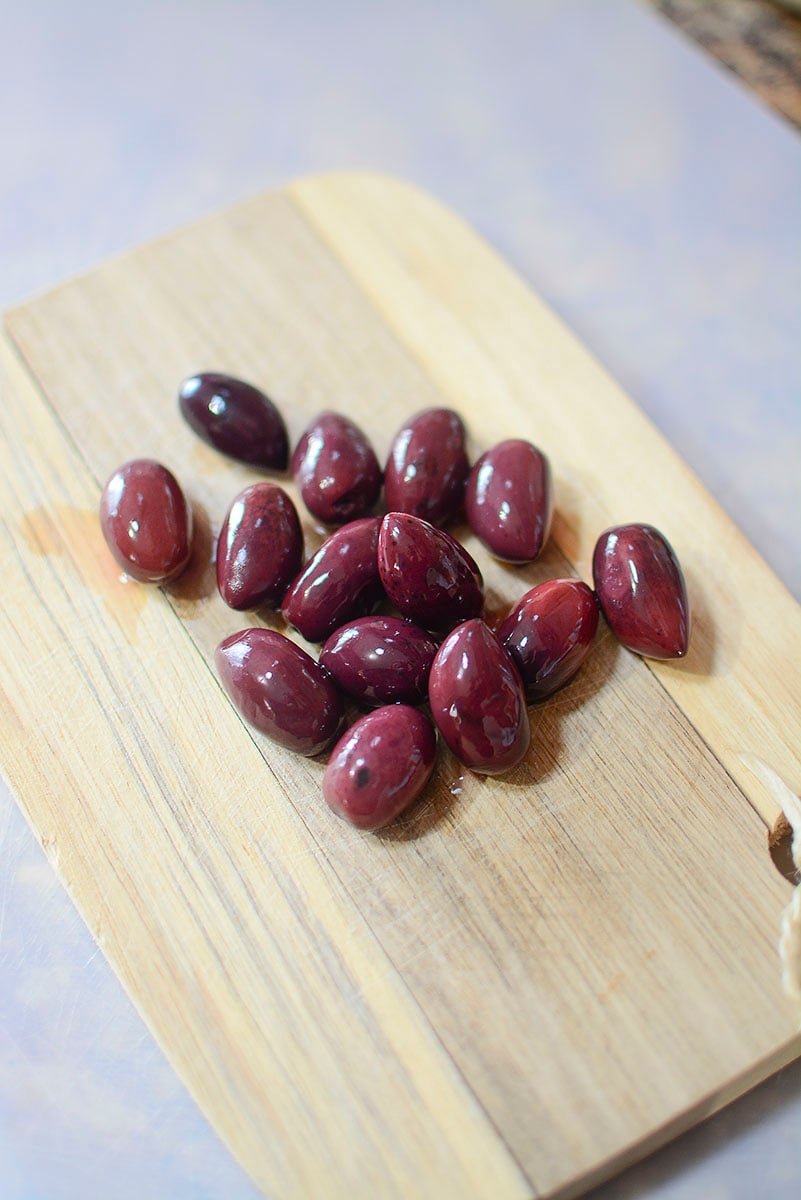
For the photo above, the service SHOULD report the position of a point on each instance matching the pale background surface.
(641, 191)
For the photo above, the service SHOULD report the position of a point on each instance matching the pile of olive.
(437, 649)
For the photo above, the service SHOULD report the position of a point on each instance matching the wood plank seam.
(673, 704)
(395, 966)
(402, 982)
(328, 247)
(299, 194)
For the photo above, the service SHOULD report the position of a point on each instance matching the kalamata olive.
(509, 502)
(336, 470)
(235, 418)
(338, 583)
(380, 765)
(641, 589)
(280, 690)
(427, 574)
(146, 521)
(260, 549)
(380, 660)
(549, 633)
(477, 700)
(427, 466)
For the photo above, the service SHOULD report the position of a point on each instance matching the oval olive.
(280, 690)
(509, 502)
(477, 700)
(336, 470)
(641, 589)
(338, 583)
(380, 765)
(427, 574)
(260, 548)
(380, 660)
(427, 466)
(235, 418)
(146, 521)
(549, 633)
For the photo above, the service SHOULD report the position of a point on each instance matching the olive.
(235, 418)
(146, 521)
(427, 574)
(380, 765)
(260, 548)
(641, 589)
(380, 660)
(336, 470)
(427, 466)
(338, 583)
(509, 501)
(477, 700)
(280, 690)
(549, 634)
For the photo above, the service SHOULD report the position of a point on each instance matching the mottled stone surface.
(756, 39)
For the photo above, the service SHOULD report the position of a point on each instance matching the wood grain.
(198, 879)
(498, 350)
(525, 982)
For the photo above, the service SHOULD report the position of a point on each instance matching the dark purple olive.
(260, 549)
(338, 583)
(477, 700)
(549, 633)
(380, 765)
(146, 521)
(427, 466)
(427, 574)
(380, 660)
(235, 418)
(641, 590)
(509, 502)
(280, 690)
(336, 470)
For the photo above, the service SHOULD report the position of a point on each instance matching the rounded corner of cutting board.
(376, 190)
(358, 179)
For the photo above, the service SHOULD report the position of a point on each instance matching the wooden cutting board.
(527, 982)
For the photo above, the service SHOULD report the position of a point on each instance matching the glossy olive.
(336, 470)
(338, 583)
(260, 548)
(146, 521)
(549, 633)
(477, 700)
(380, 765)
(380, 660)
(427, 574)
(280, 690)
(641, 589)
(509, 500)
(427, 466)
(235, 418)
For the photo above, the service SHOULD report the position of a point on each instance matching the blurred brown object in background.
(758, 40)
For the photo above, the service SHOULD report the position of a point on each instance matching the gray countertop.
(642, 192)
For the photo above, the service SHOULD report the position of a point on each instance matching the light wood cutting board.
(527, 982)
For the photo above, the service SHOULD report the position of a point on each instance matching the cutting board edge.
(729, 1093)
(671, 1130)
